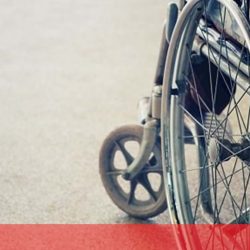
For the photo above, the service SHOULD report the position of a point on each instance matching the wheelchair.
(191, 151)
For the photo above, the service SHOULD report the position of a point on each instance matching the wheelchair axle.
(224, 150)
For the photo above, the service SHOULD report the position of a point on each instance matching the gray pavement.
(70, 72)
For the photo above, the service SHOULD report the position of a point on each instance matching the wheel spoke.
(248, 119)
(115, 172)
(133, 185)
(128, 157)
(152, 169)
(216, 183)
(143, 180)
(230, 180)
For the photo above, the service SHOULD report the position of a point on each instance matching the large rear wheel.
(206, 115)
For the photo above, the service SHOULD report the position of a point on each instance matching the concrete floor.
(70, 72)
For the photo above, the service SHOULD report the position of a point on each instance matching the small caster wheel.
(144, 196)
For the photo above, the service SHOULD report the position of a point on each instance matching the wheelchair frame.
(183, 23)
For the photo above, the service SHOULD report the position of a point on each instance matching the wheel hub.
(223, 149)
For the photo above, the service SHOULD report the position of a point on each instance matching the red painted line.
(120, 236)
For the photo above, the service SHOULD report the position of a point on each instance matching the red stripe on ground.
(76, 237)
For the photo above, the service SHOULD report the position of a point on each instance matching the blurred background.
(70, 72)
